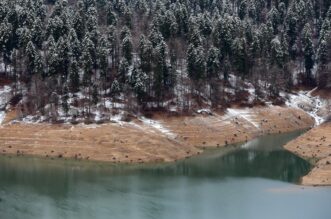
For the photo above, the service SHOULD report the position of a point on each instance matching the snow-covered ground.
(158, 126)
(5, 95)
(2, 116)
(245, 114)
(317, 107)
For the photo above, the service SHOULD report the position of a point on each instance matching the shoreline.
(315, 147)
(163, 139)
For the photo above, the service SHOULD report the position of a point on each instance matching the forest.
(77, 57)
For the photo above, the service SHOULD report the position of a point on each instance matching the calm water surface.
(255, 180)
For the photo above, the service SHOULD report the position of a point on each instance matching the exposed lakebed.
(258, 179)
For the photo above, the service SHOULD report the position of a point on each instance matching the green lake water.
(254, 180)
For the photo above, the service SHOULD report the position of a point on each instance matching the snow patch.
(308, 103)
(158, 126)
(2, 116)
(245, 114)
(117, 118)
(204, 111)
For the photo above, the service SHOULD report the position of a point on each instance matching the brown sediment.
(138, 142)
(315, 146)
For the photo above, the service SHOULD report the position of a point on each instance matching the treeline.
(152, 51)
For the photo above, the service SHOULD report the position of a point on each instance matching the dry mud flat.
(163, 139)
(315, 146)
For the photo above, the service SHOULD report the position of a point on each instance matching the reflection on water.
(257, 176)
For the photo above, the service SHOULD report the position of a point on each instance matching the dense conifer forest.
(80, 55)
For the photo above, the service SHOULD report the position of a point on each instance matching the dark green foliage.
(142, 48)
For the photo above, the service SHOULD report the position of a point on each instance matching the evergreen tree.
(123, 70)
(196, 63)
(95, 95)
(127, 48)
(63, 52)
(138, 82)
(111, 16)
(64, 99)
(213, 63)
(308, 52)
(38, 33)
(145, 54)
(31, 55)
(75, 45)
(115, 88)
(52, 59)
(74, 80)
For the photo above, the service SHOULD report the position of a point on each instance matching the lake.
(255, 180)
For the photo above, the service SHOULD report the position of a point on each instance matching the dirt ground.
(315, 146)
(138, 142)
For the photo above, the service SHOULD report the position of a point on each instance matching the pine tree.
(52, 59)
(112, 42)
(138, 82)
(38, 33)
(24, 36)
(196, 63)
(63, 51)
(6, 44)
(74, 80)
(64, 100)
(308, 52)
(322, 53)
(242, 9)
(276, 53)
(115, 88)
(145, 54)
(123, 70)
(31, 55)
(75, 45)
(91, 19)
(240, 56)
(55, 27)
(38, 65)
(95, 95)
(161, 76)
(291, 28)
(111, 16)
(274, 17)
(127, 48)
(78, 23)
(213, 63)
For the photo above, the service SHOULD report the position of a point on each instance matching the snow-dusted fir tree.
(145, 54)
(309, 53)
(31, 55)
(74, 79)
(75, 45)
(115, 88)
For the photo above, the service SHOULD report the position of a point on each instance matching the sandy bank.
(315, 146)
(162, 139)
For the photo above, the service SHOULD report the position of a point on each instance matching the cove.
(258, 179)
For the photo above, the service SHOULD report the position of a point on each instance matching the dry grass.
(136, 142)
(315, 146)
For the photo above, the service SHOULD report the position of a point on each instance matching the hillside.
(161, 139)
(90, 60)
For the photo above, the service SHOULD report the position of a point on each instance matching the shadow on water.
(264, 157)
